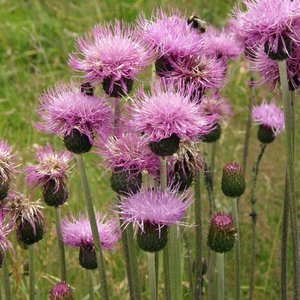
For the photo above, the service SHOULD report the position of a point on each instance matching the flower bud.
(182, 177)
(233, 180)
(212, 136)
(283, 49)
(29, 234)
(52, 195)
(265, 134)
(222, 232)
(4, 188)
(77, 142)
(61, 291)
(117, 89)
(162, 66)
(87, 257)
(165, 147)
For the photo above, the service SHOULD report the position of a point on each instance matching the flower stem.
(289, 130)
(237, 253)
(253, 216)
(188, 263)
(7, 290)
(94, 228)
(31, 272)
(210, 189)
(91, 285)
(198, 237)
(163, 185)
(61, 248)
(152, 275)
(212, 161)
(220, 266)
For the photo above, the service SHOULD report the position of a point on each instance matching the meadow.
(35, 39)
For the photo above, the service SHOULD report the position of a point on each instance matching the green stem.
(156, 254)
(163, 185)
(237, 254)
(152, 275)
(94, 228)
(210, 189)
(220, 266)
(289, 130)
(254, 217)
(212, 161)
(7, 290)
(31, 272)
(198, 238)
(188, 262)
(91, 285)
(61, 248)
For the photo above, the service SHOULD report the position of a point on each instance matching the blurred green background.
(35, 39)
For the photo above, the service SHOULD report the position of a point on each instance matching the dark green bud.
(212, 136)
(265, 134)
(165, 147)
(52, 196)
(77, 142)
(87, 257)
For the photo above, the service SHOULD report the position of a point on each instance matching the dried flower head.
(110, 52)
(64, 108)
(76, 231)
(61, 291)
(6, 226)
(168, 111)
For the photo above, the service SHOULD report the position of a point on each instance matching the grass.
(35, 39)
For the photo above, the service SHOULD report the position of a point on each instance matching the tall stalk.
(188, 263)
(61, 247)
(31, 272)
(166, 261)
(237, 251)
(91, 285)
(7, 290)
(94, 228)
(152, 276)
(253, 215)
(220, 267)
(198, 237)
(289, 129)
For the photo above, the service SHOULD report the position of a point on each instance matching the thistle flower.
(76, 231)
(222, 232)
(233, 180)
(221, 43)
(153, 211)
(28, 218)
(111, 54)
(272, 23)
(51, 173)
(270, 119)
(167, 114)
(7, 168)
(6, 226)
(61, 291)
(66, 111)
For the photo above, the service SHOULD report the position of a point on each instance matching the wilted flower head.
(169, 111)
(76, 231)
(169, 34)
(111, 52)
(221, 43)
(61, 291)
(270, 22)
(6, 226)
(155, 207)
(217, 104)
(129, 151)
(270, 115)
(52, 166)
(64, 108)
(7, 164)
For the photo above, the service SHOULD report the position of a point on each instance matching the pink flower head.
(76, 231)
(6, 226)
(169, 34)
(7, 164)
(166, 111)
(199, 70)
(269, 70)
(217, 104)
(61, 291)
(110, 51)
(52, 165)
(221, 43)
(154, 206)
(129, 151)
(269, 114)
(65, 108)
(222, 220)
(269, 21)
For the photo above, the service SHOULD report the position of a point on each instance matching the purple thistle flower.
(110, 51)
(130, 152)
(76, 231)
(61, 291)
(222, 43)
(6, 226)
(155, 207)
(52, 166)
(270, 22)
(7, 164)
(65, 108)
(270, 115)
(169, 111)
(217, 104)
(169, 34)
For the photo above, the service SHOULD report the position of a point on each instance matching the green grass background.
(35, 39)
